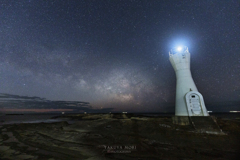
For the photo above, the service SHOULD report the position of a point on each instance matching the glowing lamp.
(179, 48)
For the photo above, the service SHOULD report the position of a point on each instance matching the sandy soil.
(121, 137)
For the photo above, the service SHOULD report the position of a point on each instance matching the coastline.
(117, 136)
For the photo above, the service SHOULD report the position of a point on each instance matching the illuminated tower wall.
(189, 102)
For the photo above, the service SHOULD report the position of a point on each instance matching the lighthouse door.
(195, 104)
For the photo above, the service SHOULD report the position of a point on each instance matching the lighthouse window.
(183, 56)
(193, 96)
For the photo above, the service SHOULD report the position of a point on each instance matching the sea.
(51, 117)
(29, 118)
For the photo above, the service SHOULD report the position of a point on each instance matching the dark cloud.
(8, 101)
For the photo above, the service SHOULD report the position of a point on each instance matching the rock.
(4, 148)
(138, 118)
(154, 138)
(4, 130)
(164, 125)
(108, 126)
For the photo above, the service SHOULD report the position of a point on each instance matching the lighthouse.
(189, 102)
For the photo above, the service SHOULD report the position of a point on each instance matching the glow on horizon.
(35, 110)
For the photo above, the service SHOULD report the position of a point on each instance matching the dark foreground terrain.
(117, 136)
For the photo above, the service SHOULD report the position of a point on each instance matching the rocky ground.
(117, 136)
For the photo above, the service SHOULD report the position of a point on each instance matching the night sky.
(114, 53)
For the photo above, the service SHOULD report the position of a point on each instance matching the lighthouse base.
(205, 124)
(201, 124)
(181, 120)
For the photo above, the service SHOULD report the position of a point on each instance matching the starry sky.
(114, 53)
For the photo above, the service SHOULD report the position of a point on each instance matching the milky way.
(115, 53)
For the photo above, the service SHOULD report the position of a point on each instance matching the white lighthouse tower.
(189, 102)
